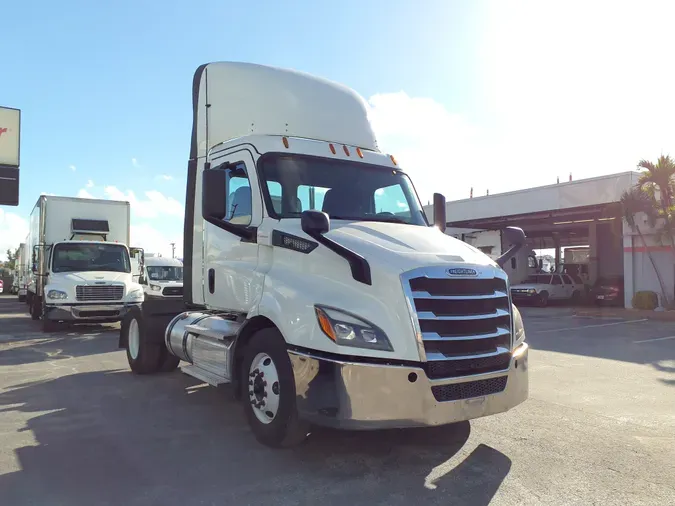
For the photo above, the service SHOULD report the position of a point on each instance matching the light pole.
(173, 250)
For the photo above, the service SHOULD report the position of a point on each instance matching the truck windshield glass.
(165, 273)
(343, 189)
(90, 257)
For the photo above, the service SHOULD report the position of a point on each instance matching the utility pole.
(173, 250)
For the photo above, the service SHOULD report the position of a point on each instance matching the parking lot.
(77, 428)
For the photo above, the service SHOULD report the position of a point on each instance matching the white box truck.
(80, 261)
(162, 277)
(20, 274)
(313, 281)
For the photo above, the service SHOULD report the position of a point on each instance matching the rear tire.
(35, 309)
(266, 352)
(144, 357)
(168, 362)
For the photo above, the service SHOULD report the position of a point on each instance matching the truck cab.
(81, 265)
(314, 281)
(162, 277)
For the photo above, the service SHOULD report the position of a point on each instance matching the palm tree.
(659, 176)
(636, 201)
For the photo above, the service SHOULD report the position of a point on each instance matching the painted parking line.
(590, 326)
(654, 340)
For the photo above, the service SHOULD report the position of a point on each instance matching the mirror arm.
(510, 253)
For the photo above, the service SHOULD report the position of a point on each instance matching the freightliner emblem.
(461, 271)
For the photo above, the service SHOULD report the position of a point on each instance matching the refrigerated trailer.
(313, 281)
(81, 266)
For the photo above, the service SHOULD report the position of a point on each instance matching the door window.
(239, 203)
(556, 280)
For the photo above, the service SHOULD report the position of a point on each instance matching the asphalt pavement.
(77, 428)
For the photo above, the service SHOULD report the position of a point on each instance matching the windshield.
(539, 280)
(77, 257)
(343, 189)
(165, 273)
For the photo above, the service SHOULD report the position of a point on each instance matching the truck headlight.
(348, 330)
(156, 288)
(136, 294)
(518, 327)
(57, 295)
(532, 290)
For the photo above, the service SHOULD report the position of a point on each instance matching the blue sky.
(491, 95)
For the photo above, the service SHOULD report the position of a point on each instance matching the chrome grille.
(99, 292)
(465, 322)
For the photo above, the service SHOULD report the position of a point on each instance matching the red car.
(1, 286)
(608, 290)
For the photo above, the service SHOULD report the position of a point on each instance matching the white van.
(162, 277)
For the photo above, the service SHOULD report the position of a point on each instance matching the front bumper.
(84, 313)
(364, 396)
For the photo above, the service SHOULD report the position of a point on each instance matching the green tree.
(11, 259)
(657, 182)
(636, 201)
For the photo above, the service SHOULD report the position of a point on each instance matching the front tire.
(268, 391)
(143, 356)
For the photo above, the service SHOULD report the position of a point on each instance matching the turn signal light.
(285, 141)
(358, 152)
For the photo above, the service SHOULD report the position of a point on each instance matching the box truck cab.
(313, 280)
(162, 277)
(81, 263)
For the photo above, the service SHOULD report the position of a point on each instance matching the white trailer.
(162, 277)
(80, 261)
(20, 273)
(313, 280)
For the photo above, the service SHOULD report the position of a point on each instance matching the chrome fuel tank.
(203, 339)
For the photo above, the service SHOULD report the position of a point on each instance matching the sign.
(10, 135)
(10, 130)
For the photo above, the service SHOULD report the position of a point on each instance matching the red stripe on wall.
(642, 249)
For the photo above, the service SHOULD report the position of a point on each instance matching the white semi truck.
(313, 281)
(162, 277)
(80, 261)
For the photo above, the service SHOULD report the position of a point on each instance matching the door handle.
(212, 280)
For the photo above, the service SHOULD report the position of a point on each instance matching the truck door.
(231, 281)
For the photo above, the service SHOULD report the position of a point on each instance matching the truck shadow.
(36, 347)
(115, 438)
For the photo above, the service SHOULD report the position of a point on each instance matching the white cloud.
(429, 142)
(154, 205)
(13, 231)
(84, 194)
(134, 162)
(152, 241)
(90, 184)
(587, 104)
(72, 167)
(165, 177)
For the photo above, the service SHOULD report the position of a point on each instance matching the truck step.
(228, 330)
(203, 375)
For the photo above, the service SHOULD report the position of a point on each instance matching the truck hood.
(163, 282)
(89, 277)
(405, 247)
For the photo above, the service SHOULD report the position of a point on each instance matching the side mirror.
(214, 194)
(314, 223)
(514, 236)
(439, 211)
(142, 280)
